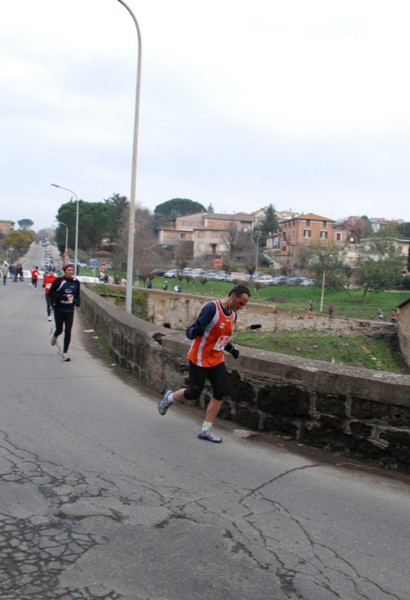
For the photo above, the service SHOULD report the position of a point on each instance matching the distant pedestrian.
(310, 306)
(19, 272)
(65, 295)
(393, 316)
(165, 285)
(380, 315)
(5, 272)
(148, 283)
(331, 310)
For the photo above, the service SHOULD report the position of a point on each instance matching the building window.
(307, 225)
(324, 224)
(323, 235)
(338, 237)
(307, 233)
(284, 236)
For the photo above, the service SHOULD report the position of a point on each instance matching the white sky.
(303, 105)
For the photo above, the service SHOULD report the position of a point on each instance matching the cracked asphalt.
(100, 497)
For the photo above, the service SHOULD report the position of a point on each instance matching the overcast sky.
(303, 105)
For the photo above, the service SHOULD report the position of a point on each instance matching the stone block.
(247, 417)
(366, 409)
(360, 429)
(282, 400)
(330, 403)
(399, 416)
(398, 438)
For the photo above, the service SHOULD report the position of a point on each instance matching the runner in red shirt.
(47, 281)
(34, 277)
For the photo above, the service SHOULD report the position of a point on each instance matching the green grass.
(353, 351)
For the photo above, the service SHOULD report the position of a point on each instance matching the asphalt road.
(100, 497)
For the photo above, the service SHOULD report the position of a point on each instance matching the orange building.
(308, 228)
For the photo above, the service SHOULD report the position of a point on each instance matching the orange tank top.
(208, 350)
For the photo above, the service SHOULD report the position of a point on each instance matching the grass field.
(358, 351)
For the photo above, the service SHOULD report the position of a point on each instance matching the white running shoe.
(165, 402)
(65, 357)
(49, 318)
(209, 436)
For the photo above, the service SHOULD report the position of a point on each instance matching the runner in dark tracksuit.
(65, 295)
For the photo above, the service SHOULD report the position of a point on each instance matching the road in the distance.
(100, 497)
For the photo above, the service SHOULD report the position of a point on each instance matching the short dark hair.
(240, 289)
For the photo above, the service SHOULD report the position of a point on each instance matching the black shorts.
(197, 378)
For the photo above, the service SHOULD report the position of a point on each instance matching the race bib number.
(70, 299)
(221, 342)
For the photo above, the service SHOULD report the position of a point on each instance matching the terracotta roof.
(311, 217)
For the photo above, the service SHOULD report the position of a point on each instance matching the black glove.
(77, 302)
(194, 331)
(198, 332)
(232, 350)
(235, 352)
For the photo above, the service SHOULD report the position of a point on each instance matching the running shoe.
(53, 341)
(49, 318)
(65, 357)
(165, 402)
(209, 436)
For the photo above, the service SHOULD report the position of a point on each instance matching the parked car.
(172, 273)
(295, 280)
(158, 272)
(280, 280)
(198, 273)
(308, 282)
(264, 279)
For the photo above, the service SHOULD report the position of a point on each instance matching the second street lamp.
(76, 223)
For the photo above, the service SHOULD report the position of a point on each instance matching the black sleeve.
(205, 317)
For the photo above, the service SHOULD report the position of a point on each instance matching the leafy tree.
(268, 226)
(166, 213)
(25, 224)
(119, 209)
(18, 240)
(404, 229)
(329, 259)
(210, 209)
(183, 253)
(378, 264)
(99, 222)
(94, 223)
(356, 228)
(368, 229)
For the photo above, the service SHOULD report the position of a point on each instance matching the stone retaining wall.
(315, 402)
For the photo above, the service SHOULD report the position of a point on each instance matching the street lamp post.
(131, 220)
(323, 288)
(76, 223)
(324, 283)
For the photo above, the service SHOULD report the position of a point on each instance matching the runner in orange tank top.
(211, 334)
